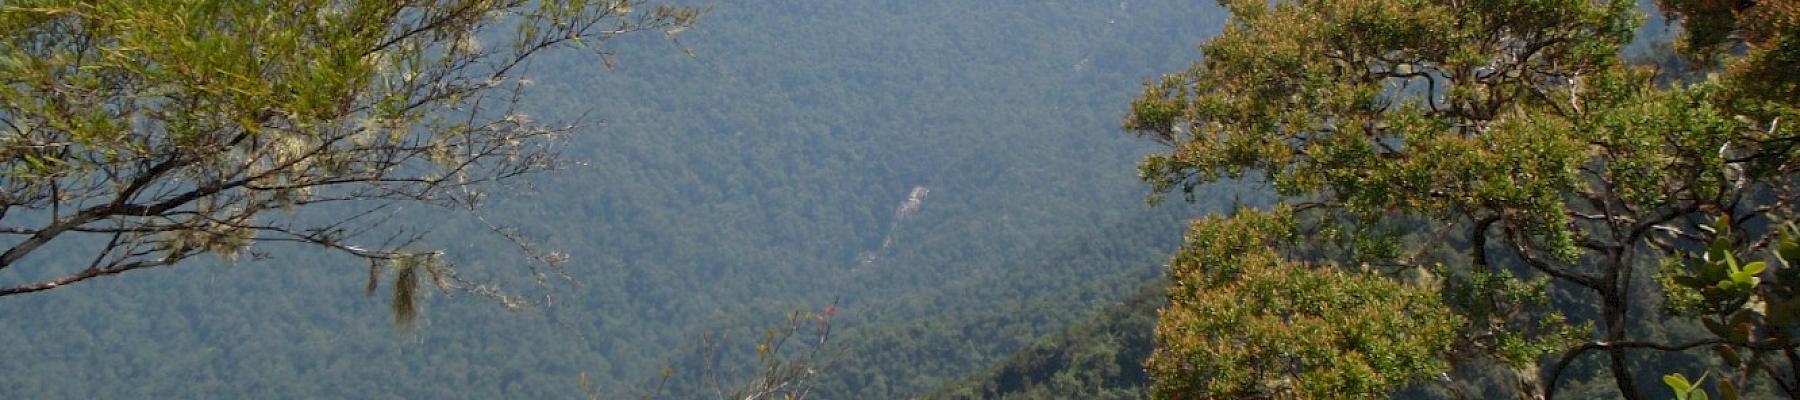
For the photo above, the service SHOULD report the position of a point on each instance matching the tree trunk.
(1614, 310)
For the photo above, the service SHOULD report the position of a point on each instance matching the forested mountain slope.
(709, 192)
(1098, 358)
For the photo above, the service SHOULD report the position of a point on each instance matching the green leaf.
(1743, 278)
(1732, 262)
(1756, 268)
(1679, 383)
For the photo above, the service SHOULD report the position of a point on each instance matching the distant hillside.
(1099, 358)
(711, 192)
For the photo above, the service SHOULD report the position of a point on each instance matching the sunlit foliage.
(145, 133)
(1451, 143)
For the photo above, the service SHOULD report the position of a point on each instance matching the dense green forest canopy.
(748, 168)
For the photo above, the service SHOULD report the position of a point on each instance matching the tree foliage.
(146, 133)
(1486, 146)
(1257, 325)
(1749, 303)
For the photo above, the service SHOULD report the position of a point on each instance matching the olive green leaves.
(1685, 390)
